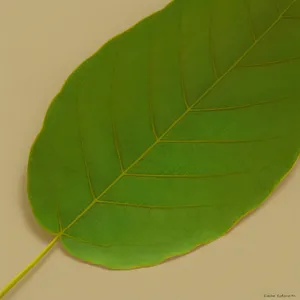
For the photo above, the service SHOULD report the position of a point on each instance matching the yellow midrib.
(211, 88)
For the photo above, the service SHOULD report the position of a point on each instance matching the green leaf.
(172, 132)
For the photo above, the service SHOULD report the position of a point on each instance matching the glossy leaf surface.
(171, 132)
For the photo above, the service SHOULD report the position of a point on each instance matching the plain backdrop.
(41, 43)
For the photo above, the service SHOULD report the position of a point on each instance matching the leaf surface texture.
(171, 132)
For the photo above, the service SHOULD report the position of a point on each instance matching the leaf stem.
(19, 276)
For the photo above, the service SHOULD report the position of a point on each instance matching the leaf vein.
(220, 141)
(182, 176)
(85, 241)
(238, 106)
(87, 171)
(250, 20)
(291, 17)
(270, 63)
(147, 206)
(211, 47)
(117, 146)
(151, 87)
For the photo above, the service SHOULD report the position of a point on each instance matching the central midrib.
(211, 88)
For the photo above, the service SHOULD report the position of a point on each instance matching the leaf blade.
(123, 148)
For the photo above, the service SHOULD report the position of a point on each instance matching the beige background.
(41, 42)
